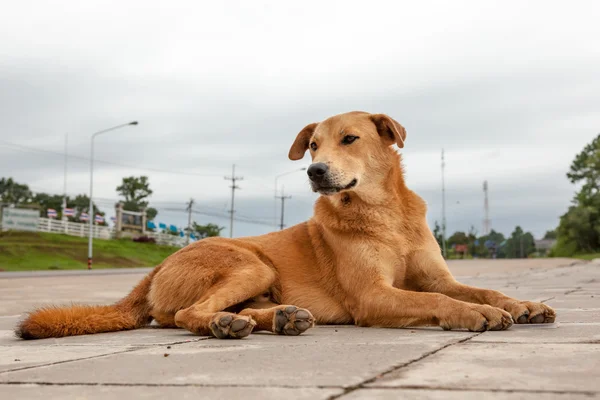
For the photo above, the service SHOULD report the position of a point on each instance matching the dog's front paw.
(529, 312)
(478, 318)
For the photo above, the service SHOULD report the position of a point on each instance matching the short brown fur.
(366, 257)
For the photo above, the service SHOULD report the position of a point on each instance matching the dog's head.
(349, 151)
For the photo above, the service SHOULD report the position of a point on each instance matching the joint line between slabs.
(398, 367)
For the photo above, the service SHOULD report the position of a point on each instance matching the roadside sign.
(20, 219)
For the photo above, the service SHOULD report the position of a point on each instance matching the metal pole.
(282, 210)
(189, 221)
(443, 207)
(233, 186)
(91, 207)
(275, 202)
(64, 218)
(283, 199)
(91, 215)
(232, 201)
(275, 191)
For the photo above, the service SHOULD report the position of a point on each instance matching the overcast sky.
(511, 90)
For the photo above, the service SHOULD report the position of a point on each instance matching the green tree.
(551, 234)
(493, 238)
(586, 167)
(208, 230)
(12, 192)
(578, 231)
(151, 213)
(520, 244)
(46, 201)
(81, 204)
(457, 238)
(136, 190)
(579, 227)
(437, 233)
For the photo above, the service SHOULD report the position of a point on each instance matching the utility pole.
(189, 210)
(283, 199)
(443, 207)
(233, 186)
(486, 209)
(64, 205)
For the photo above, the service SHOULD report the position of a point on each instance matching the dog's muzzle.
(317, 172)
(323, 182)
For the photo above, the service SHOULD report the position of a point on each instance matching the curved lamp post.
(91, 214)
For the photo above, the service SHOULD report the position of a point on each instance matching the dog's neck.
(356, 211)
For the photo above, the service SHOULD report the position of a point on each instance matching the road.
(555, 361)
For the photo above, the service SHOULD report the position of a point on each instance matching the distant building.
(543, 246)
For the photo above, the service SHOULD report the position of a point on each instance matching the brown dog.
(366, 257)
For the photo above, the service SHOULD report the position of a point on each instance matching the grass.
(588, 257)
(27, 251)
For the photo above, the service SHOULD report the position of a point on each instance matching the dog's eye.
(313, 146)
(349, 139)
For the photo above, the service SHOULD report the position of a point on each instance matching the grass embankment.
(588, 257)
(26, 251)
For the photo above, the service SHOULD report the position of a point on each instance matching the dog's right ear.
(301, 143)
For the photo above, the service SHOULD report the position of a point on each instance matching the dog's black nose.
(317, 171)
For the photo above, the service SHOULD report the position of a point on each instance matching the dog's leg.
(164, 320)
(383, 305)
(205, 316)
(280, 319)
(432, 275)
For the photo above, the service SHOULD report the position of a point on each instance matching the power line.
(255, 180)
(166, 171)
(222, 215)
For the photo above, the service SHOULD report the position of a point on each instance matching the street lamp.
(275, 194)
(91, 215)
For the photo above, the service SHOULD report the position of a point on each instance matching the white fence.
(101, 232)
(72, 228)
(166, 239)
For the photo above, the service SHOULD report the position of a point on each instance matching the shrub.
(144, 239)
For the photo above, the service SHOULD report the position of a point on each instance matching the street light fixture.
(91, 214)
(275, 194)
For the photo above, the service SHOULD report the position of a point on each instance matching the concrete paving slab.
(568, 315)
(17, 357)
(20, 295)
(136, 338)
(8, 322)
(583, 301)
(544, 333)
(100, 392)
(503, 366)
(321, 359)
(425, 394)
(508, 266)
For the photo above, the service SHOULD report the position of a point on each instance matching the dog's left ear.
(301, 143)
(389, 129)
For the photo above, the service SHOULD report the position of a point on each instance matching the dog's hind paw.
(231, 326)
(292, 321)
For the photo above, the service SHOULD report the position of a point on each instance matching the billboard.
(20, 219)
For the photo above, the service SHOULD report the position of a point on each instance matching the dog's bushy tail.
(52, 322)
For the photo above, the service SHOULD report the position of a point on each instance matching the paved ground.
(557, 361)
